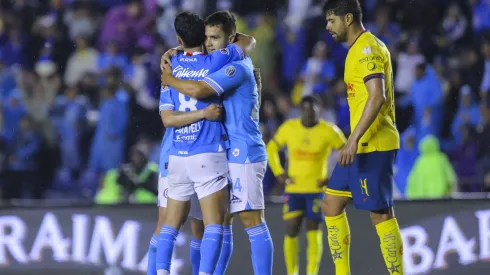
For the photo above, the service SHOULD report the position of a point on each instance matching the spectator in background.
(454, 27)
(136, 75)
(109, 140)
(81, 62)
(468, 113)
(124, 24)
(22, 163)
(7, 78)
(386, 31)
(15, 48)
(405, 159)
(270, 116)
(432, 176)
(464, 158)
(318, 72)
(427, 99)
(111, 57)
(82, 20)
(134, 182)
(485, 83)
(285, 107)
(69, 113)
(12, 112)
(406, 63)
(481, 15)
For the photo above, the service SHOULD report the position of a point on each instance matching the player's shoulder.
(368, 44)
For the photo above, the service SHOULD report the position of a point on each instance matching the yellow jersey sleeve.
(335, 136)
(371, 62)
(275, 144)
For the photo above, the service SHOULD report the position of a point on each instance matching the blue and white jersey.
(203, 136)
(241, 101)
(166, 143)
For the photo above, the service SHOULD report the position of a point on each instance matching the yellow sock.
(314, 252)
(339, 242)
(291, 255)
(391, 245)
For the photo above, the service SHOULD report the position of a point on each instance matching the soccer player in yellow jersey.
(309, 141)
(365, 169)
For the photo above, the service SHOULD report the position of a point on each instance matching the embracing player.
(247, 158)
(365, 169)
(197, 162)
(309, 141)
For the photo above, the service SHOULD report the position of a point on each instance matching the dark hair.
(315, 100)
(224, 19)
(343, 7)
(190, 28)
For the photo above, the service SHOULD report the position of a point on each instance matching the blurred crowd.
(80, 81)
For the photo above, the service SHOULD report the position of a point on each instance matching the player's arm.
(217, 83)
(245, 42)
(374, 79)
(273, 147)
(175, 119)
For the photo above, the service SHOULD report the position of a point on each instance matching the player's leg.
(314, 234)
(293, 212)
(197, 228)
(180, 192)
(333, 208)
(162, 209)
(210, 179)
(248, 201)
(226, 246)
(375, 194)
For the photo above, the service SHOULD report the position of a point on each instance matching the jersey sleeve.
(280, 138)
(166, 102)
(335, 136)
(227, 78)
(220, 58)
(371, 61)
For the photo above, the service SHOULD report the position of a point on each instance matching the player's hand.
(284, 179)
(258, 78)
(348, 153)
(213, 112)
(167, 57)
(166, 72)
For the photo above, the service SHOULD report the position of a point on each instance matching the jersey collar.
(363, 32)
(194, 53)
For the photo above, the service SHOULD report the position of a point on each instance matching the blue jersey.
(241, 102)
(166, 142)
(203, 136)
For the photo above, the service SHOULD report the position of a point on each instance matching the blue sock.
(195, 254)
(262, 249)
(210, 248)
(152, 256)
(226, 251)
(165, 247)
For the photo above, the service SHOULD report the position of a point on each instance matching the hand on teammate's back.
(258, 78)
(167, 56)
(166, 72)
(284, 179)
(213, 112)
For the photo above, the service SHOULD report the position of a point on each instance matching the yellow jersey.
(369, 58)
(308, 149)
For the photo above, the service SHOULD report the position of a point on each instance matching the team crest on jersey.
(371, 66)
(224, 51)
(236, 152)
(367, 50)
(230, 71)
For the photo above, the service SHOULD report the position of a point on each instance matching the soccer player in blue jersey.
(197, 161)
(247, 156)
(212, 112)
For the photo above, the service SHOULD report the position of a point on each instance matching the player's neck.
(193, 50)
(354, 33)
(309, 123)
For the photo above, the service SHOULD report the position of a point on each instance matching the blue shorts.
(368, 181)
(308, 205)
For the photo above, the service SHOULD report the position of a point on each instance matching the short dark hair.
(190, 28)
(315, 100)
(343, 7)
(223, 19)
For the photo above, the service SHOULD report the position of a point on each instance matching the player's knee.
(312, 225)
(379, 216)
(251, 218)
(332, 206)
(197, 227)
(228, 219)
(292, 227)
